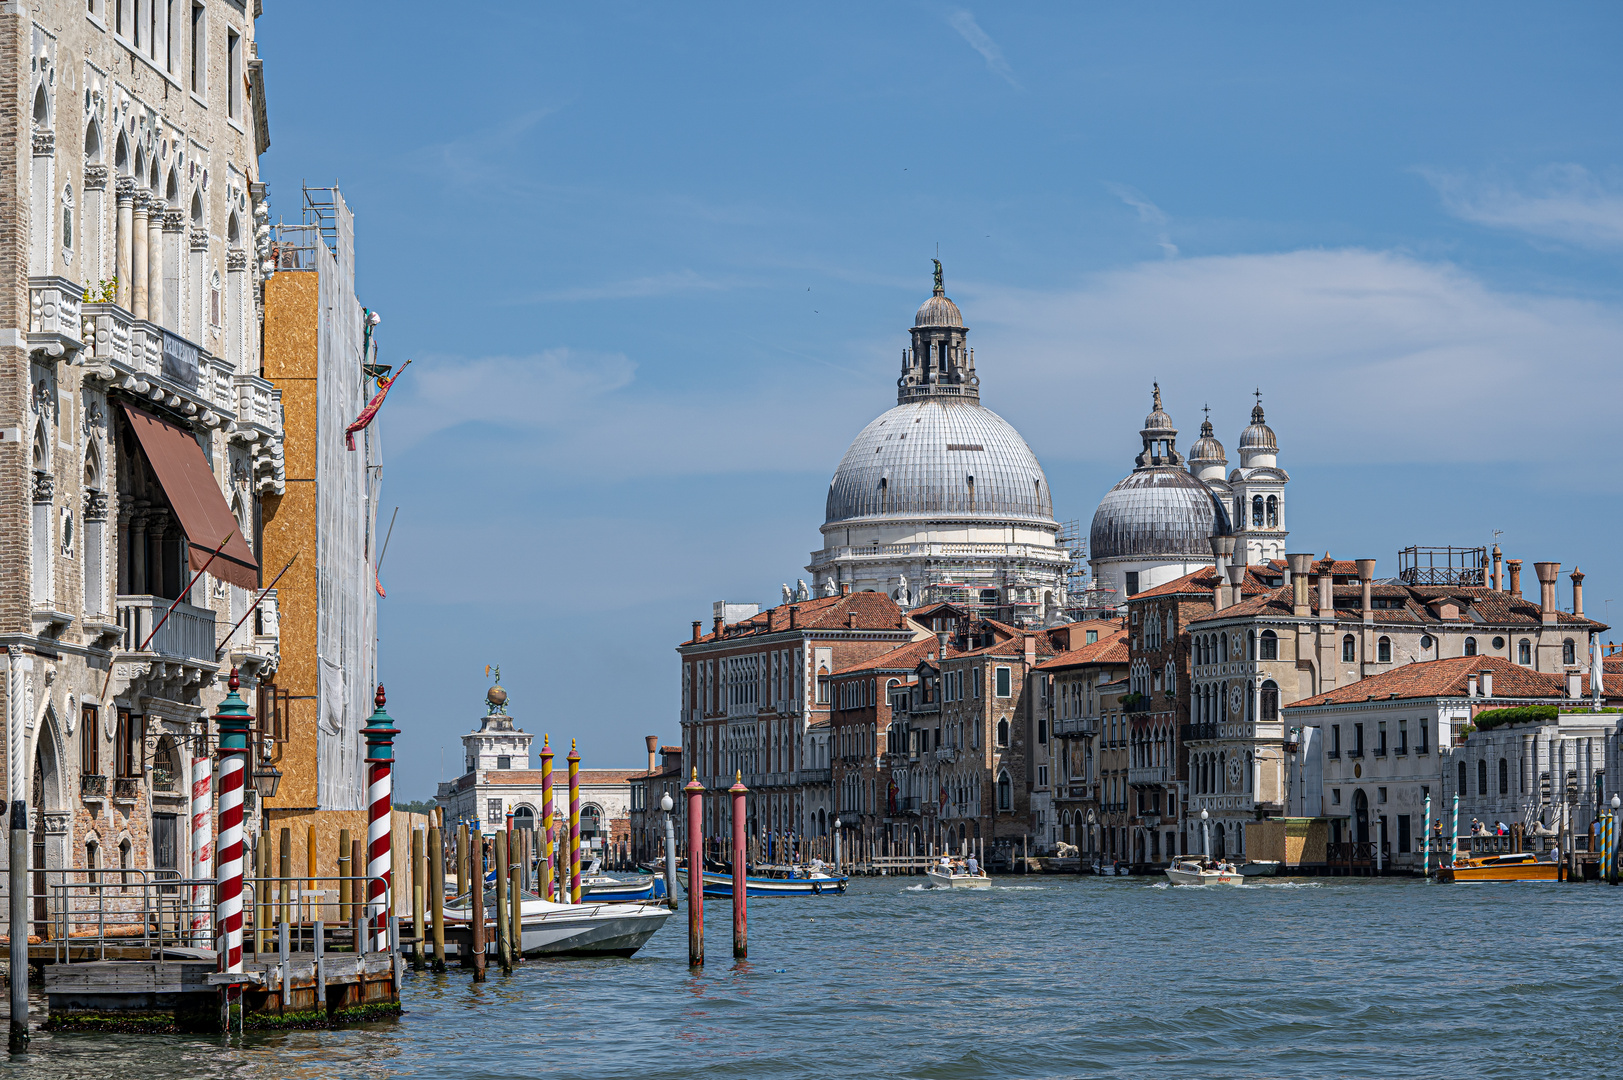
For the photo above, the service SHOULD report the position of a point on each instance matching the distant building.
(648, 789)
(1083, 703)
(497, 780)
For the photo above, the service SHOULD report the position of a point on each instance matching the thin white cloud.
(1567, 203)
(1149, 214)
(978, 39)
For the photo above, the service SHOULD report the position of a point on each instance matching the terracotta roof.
(1111, 650)
(874, 611)
(1444, 678)
(1477, 606)
(587, 776)
(1204, 581)
(905, 658)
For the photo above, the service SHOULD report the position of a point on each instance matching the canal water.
(1038, 977)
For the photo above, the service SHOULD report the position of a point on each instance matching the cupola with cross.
(1258, 486)
(939, 363)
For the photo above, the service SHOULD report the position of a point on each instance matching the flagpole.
(257, 601)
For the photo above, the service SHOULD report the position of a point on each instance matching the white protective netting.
(346, 619)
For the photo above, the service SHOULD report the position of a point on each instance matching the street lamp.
(266, 779)
(1205, 835)
(666, 804)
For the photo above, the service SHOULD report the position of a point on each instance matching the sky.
(656, 266)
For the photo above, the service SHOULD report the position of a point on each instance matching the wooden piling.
(311, 872)
(462, 856)
(284, 871)
(476, 901)
(504, 948)
(344, 871)
(436, 891)
(357, 893)
(418, 865)
(515, 903)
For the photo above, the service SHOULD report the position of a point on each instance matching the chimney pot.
(1299, 567)
(718, 625)
(1578, 592)
(1547, 573)
(1575, 684)
(1470, 684)
(850, 620)
(845, 588)
(1366, 569)
(653, 749)
(695, 629)
(1515, 576)
(1487, 683)
(1498, 570)
(794, 617)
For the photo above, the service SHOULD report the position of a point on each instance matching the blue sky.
(656, 266)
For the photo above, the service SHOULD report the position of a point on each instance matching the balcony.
(145, 359)
(907, 806)
(92, 786)
(946, 754)
(816, 776)
(1076, 726)
(1151, 775)
(53, 315)
(126, 788)
(188, 633)
(1198, 732)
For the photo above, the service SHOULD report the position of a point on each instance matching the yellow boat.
(1522, 866)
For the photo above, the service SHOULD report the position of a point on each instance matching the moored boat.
(1186, 871)
(549, 929)
(1260, 868)
(808, 883)
(1521, 866)
(601, 888)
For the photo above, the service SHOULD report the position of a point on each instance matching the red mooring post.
(695, 794)
(740, 888)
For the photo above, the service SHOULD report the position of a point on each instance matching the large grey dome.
(939, 456)
(1153, 512)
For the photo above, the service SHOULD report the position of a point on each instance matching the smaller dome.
(1206, 448)
(939, 311)
(1259, 436)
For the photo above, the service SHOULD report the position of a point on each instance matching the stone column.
(91, 225)
(196, 288)
(43, 202)
(95, 548)
(44, 494)
(124, 192)
(174, 223)
(155, 229)
(140, 252)
(235, 315)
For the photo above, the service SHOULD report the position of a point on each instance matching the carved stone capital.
(56, 824)
(143, 201)
(44, 487)
(200, 239)
(44, 143)
(95, 177)
(124, 188)
(173, 221)
(95, 505)
(236, 260)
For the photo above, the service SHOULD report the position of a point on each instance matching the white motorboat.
(952, 878)
(549, 929)
(1260, 868)
(1186, 871)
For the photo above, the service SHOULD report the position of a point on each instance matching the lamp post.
(1611, 850)
(667, 805)
(836, 845)
(1290, 746)
(1205, 837)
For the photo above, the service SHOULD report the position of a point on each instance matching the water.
(1041, 977)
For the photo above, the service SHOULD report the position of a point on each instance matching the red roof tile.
(1444, 678)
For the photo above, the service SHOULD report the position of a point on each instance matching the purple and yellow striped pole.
(546, 819)
(574, 824)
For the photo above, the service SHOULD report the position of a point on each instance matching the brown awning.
(196, 498)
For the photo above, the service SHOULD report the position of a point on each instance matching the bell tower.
(939, 363)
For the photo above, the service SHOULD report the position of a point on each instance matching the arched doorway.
(593, 829)
(1220, 843)
(1360, 822)
(523, 818)
(45, 797)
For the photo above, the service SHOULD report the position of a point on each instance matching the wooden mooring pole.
(476, 901)
(419, 853)
(357, 893)
(504, 954)
(436, 890)
(740, 886)
(344, 871)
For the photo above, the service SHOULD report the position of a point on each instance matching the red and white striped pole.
(202, 849)
(380, 732)
(233, 724)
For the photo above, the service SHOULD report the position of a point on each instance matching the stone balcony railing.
(53, 315)
(188, 633)
(146, 359)
(1153, 774)
(943, 550)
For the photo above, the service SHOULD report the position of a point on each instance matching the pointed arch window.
(1005, 792)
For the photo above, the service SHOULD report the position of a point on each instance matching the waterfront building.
(1083, 696)
(1431, 729)
(939, 498)
(663, 777)
(756, 700)
(497, 780)
(1154, 525)
(137, 432)
(321, 358)
(1320, 624)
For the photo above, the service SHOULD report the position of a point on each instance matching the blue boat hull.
(722, 885)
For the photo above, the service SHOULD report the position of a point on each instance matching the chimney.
(851, 619)
(941, 639)
(1575, 683)
(1470, 684)
(794, 617)
(1222, 552)
(1547, 573)
(1236, 583)
(1327, 590)
(1487, 683)
(1578, 592)
(1366, 573)
(695, 629)
(1031, 650)
(653, 749)
(1498, 570)
(717, 628)
(1299, 566)
(845, 588)
(1515, 577)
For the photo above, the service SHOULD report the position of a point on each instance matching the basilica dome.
(1153, 512)
(939, 456)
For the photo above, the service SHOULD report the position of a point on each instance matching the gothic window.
(1256, 511)
(1003, 732)
(1239, 512)
(1470, 646)
(1349, 649)
(1270, 645)
(1524, 651)
(67, 217)
(1383, 650)
(1273, 512)
(1223, 648)
(1569, 652)
(1005, 792)
(92, 142)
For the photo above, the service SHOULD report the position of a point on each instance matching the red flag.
(372, 407)
(376, 581)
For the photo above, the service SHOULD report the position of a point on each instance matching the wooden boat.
(957, 879)
(550, 929)
(1196, 872)
(1110, 868)
(807, 883)
(601, 888)
(1522, 866)
(1260, 868)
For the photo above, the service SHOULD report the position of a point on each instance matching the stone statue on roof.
(903, 596)
(829, 588)
(801, 592)
(788, 594)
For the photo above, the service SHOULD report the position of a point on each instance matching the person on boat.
(974, 867)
